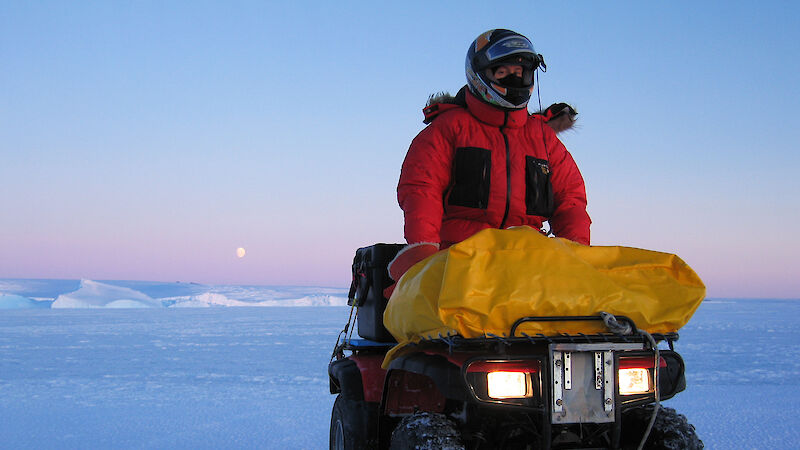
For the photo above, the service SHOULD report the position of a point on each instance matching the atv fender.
(673, 377)
(421, 382)
(345, 379)
(359, 377)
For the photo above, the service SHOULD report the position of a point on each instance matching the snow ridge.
(96, 294)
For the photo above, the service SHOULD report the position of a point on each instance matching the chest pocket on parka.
(471, 178)
(538, 188)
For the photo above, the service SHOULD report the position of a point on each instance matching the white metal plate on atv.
(598, 370)
(608, 381)
(558, 379)
(590, 396)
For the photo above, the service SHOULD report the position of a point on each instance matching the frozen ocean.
(131, 364)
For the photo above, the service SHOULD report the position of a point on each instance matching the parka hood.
(442, 101)
(559, 116)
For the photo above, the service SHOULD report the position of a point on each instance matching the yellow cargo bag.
(484, 284)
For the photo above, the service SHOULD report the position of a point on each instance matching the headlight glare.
(634, 381)
(507, 385)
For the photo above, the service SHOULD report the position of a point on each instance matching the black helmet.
(495, 48)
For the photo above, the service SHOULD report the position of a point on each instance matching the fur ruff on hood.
(559, 116)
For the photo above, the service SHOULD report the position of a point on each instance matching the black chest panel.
(538, 188)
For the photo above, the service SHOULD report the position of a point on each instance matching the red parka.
(476, 166)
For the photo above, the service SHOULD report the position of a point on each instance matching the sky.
(150, 140)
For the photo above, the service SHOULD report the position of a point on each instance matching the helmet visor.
(510, 46)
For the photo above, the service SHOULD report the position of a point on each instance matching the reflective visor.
(508, 46)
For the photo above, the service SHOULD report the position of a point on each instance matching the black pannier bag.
(370, 278)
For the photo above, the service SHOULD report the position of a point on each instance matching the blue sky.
(149, 140)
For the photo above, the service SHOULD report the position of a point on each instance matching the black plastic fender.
(673, 377)
(445, 375)
(345, 378)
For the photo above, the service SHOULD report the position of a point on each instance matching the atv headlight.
(507, 385)
(508, 380)
(636, 374)
(634, 381)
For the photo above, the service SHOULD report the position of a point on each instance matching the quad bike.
(501, 392)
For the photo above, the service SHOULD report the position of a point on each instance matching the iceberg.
(13, 301)
(210, 299)
(68, 294)
(93, 294)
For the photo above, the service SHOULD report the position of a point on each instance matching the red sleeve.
(423, 180)
(570, 219)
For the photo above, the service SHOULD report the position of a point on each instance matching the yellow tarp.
(485, 283)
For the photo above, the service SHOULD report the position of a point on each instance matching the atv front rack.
(459, 342)
(455, 341)
(617, 322)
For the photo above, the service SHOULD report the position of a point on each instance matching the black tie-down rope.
(625, 328)
(350, 321)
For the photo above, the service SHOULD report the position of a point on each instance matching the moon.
(240, 252)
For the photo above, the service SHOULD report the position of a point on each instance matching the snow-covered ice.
(255, 377)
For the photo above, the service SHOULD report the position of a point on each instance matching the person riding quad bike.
(483, 163)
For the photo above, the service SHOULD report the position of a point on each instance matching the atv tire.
(426, 431)
(671, 431)
(352, 425)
